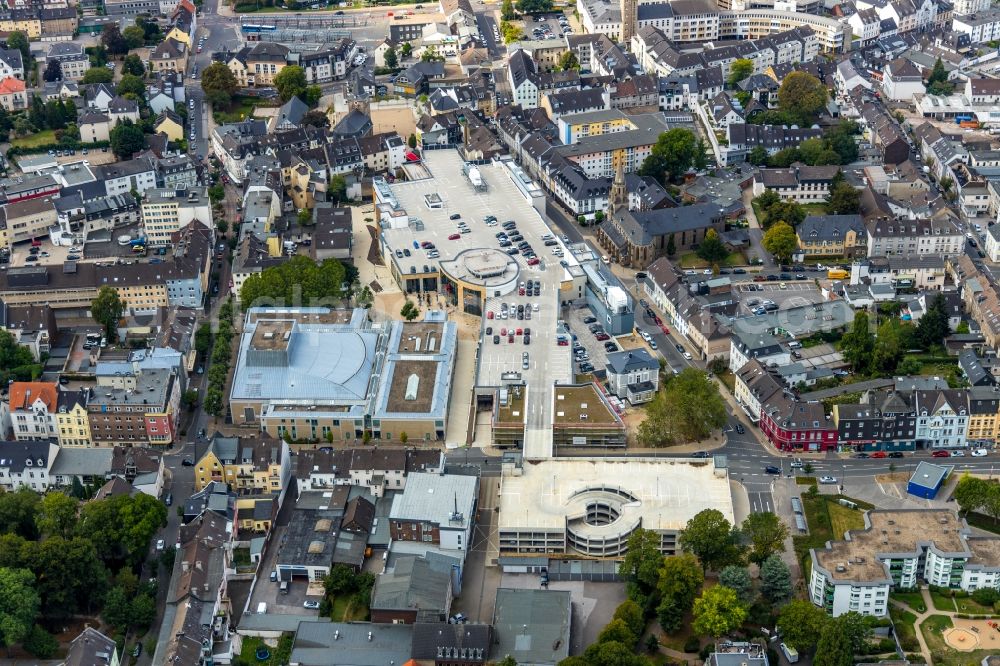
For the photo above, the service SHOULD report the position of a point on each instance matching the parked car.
(828, 479)
(941, 454)
(310, 604)
(740, 429)
(895, 454)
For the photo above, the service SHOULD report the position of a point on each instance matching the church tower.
(629, 10)
(618, 197)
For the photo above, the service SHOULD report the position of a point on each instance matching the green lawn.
(942, 654)
(983, 522)
(344, 610)
(942, 601)
(240, 109)
(814, 209)
(843, 519)
(911, 599)
(34, 140)
(903, 623)
(692, 260)
(279, 655)
(729, 380)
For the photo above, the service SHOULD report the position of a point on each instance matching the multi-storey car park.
(591, 507)
(466, 265)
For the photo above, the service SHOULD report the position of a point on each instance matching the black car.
(895, 454)
(785, 276)
(680, 350)
(861, 456)
(496, 339)
(512, 251)
(455, 216)
(589, 320)
(406, 252)
(772, 278)
(610, 346)
(586, 367)
(527, 339)
(701, 454)
(188, 462)
(740, 429)
(739, 271)
(489, 330)
(771, 469)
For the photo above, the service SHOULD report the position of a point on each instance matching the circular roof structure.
(482, 266)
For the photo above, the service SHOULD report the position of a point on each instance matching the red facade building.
(797, 426)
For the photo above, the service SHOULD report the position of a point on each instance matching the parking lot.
(579, 319)
(775, 296)
(549, 22)
(474, 252)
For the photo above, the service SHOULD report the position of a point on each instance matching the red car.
(503, 331)
(941, 454)
(454, 236)
(659, 322)
(601, 337)
(520, 291)
(519, 331)
(510, 338)
(533, 261)
(563, 342)
(489, 315)
(880, 454)
(425, 244)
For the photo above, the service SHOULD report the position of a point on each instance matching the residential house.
(73, 61)
(794, 425)
(169, 55)
(832, 236)
(92, 648)
(72, 424)
(13, 94)
(33, 409)
(633, 375)
(94, 126)
(798, 183)
(171, 125)
(27, 463)
(901, 80)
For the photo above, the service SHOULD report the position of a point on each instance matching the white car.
(958, 454)
(828, 479)
(979, 453)
(159, 544)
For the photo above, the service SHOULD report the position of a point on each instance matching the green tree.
(117, 608)
(71, 577)
(53, 71)
(711, 248)
(305, 217)
(411, 141)
(534, 6)
(671, 156)
(843, 199)
(810, 150)
(122, 527)
(841, 139)
(842, 638)
(337, 188)
(189, 399)
(219, 84)
(134, 36)
(630, 613)
(143, 611)
(780, 240)
(802, 94)
(858, 343)
(933, 325)
(568, 61)
(113, 40)
(758, 156)
(216, 193)
(790, 212)
(107, 309)
(130, 83)
(97, 75)
(741, 68)
(618, 631)
(738, 580)
(406, 49)
(889, 350)
(507, 11)
(290, 82)
(127, 139)
(41, 643)
(717, 612)
(641, 566)
(17, 40)
(133, 65)
(689, 409)
(409, 311)
(56, 514)
(19, 511)
(681, 577)
(801, 622)
(775, 580)
(937, 82)
(671, 246)
(971, 493)
(712, 539)
(508, 660)
(19, 605)
(765, 535)
(391, 57)
(299, 279)
(510, 32)
(213, 403)
(430, 54)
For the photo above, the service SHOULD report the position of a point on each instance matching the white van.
(791, 654)
(261, 608)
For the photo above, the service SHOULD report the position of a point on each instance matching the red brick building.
(793, 425)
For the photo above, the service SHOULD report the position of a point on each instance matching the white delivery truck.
(791, 654)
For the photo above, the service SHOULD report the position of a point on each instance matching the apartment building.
(802, 184)
(33, 410)
(901, 549)
(72, 422)
(938, 237)
(136, 410)
(166, 211)
(248, 465)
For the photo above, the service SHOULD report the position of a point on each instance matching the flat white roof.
(666, 493)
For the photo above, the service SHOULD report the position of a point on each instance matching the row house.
(742, 139)
(27, 464)
(250, 466)
(33, 410)
(939, 237)
(794, 425)
(981, 299)
(755, 384)
(377, 469)
(883, 421)
(942, 418)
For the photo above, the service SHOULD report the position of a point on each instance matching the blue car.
(416, 245)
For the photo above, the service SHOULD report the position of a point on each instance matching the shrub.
(706, 651)
(692, 644)
(986, 596)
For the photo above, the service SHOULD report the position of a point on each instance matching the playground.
(969, 635)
